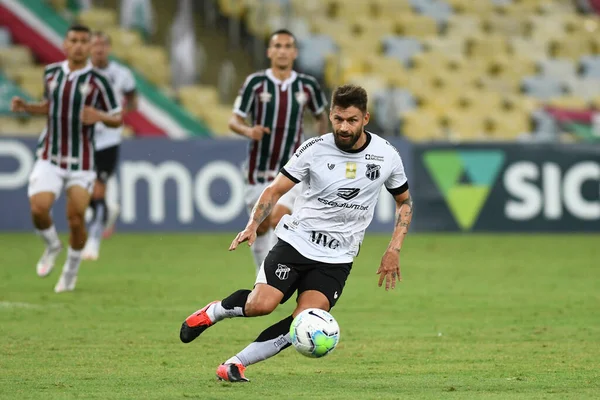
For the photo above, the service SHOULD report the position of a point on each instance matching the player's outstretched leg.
(78, 199)
(269, 343)
(230, 307)
(40, 213)
(262, 300)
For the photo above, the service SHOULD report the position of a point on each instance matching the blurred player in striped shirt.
(273, 101)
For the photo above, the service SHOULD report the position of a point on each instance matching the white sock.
(50, 236)
(217, 312)
(261, 247)
(73, 261)
(233, 360)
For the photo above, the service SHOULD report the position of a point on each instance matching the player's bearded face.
(348, 125)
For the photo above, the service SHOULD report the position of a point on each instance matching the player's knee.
(76, 221)
(39, 209)
(256, 306)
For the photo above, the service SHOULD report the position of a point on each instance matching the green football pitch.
(477, 316)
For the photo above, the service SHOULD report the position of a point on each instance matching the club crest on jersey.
(373, 171)
(301, 98)
(330, 166)
(52, 85)
(265, 97)
(282, 272)
(85, 89)
(350, 170)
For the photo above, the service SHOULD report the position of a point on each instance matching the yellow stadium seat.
(199, 99)
(153, 61)
(15, 56)
(416, 25)
(487, 46)
(98, 18)
(545, 27)
(391, 69)
(365, 27)
(421, 126)
(596, 102)
(26, 73)
(509, 125)
(520, 102)
(327, 26)
(450, 45)
(500, 85)
(340, 65)
(465, 126)
(386, 8)
(434, 62)
(123, 40)
(508, 25)
(481, 102)
(472, 7)
(531, 48)
(307, 8)
(464, 26)
(35, 88)
(232, 8)
(571, 47)
(571, 102)
(341, 10)
(217, 118)
(22, 126)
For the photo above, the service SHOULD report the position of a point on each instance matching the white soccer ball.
(314, 333)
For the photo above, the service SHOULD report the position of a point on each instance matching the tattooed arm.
(389, 268)
(404, 211)
(263, 207)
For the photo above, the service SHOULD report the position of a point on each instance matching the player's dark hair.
(79, 28)
(281, 32)
(348, 96)
(103, 35)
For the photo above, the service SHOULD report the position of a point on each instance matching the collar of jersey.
(284, 84)
(361, 148)
(65, 67)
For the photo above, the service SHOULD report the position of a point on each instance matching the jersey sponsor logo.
(301, 98)
(372, 157)
(373, 171)
(350, 170)
(282, 272)
(322, 239)
(348, 193)
(331, 203)
(265, 97)
(330, 166)
(307, 145)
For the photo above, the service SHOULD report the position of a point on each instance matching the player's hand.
(258, 131)
(17, 104)
(89, 116)
(389, 269)
(247, 234)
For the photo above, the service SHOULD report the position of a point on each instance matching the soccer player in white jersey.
(344, 172)
(275, 100)
(107, 141)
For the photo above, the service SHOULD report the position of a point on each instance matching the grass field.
(491, 317)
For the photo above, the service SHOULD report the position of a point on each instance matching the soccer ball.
(314, 333)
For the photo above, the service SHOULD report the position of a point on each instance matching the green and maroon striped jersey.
(278, 105)
(66, 141)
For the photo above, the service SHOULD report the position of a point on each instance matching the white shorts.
(253, 193)
(47, 177)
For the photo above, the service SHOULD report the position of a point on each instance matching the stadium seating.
(473, 69)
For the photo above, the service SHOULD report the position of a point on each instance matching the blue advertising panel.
(161, 185)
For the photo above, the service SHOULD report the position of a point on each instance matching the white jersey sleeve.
(298, 167)
(128, 81)
(397, 182)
